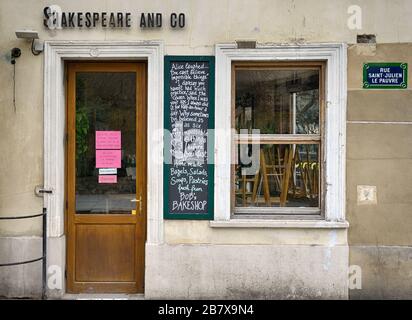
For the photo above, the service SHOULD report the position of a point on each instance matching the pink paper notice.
(108, 158)
(108, 178)
(108, 140)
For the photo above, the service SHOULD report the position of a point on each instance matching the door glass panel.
(105, 142)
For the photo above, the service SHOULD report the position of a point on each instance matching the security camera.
(15, 53)
(33, 36)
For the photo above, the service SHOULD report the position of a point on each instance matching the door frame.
(55, 55)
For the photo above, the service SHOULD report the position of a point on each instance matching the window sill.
(291, 224)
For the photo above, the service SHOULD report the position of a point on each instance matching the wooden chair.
(273, 165)
(243, 182)
(308, 173)
(279, 168)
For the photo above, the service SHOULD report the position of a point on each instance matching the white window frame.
(334, 54)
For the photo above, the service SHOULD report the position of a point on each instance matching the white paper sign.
(108, 171)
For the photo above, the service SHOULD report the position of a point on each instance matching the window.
(277, 117)
(327, 210)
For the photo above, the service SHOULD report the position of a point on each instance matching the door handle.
(140, 203)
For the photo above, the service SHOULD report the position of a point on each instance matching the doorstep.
(102, 296)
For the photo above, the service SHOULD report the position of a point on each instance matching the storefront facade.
(99, 118)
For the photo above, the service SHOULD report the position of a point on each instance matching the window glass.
(105, 103)
(277, 175)
(277, 101)
(279, 109)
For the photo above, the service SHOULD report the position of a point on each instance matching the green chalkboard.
(188, 140)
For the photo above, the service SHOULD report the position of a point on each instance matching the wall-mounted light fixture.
(33, 35)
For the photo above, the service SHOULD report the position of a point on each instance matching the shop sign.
(385, 75)
(55, 18)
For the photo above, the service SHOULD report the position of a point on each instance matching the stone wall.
(379, 153)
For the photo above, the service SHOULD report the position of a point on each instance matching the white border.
(55, 53)
(335, 128)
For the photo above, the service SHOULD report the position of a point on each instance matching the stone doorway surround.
(55, 55)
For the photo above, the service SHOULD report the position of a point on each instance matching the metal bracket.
(40, 191)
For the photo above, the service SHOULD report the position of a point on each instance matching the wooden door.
(106, 177)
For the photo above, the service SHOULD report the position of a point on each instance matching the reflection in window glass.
(105, 101)
(278, 101)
